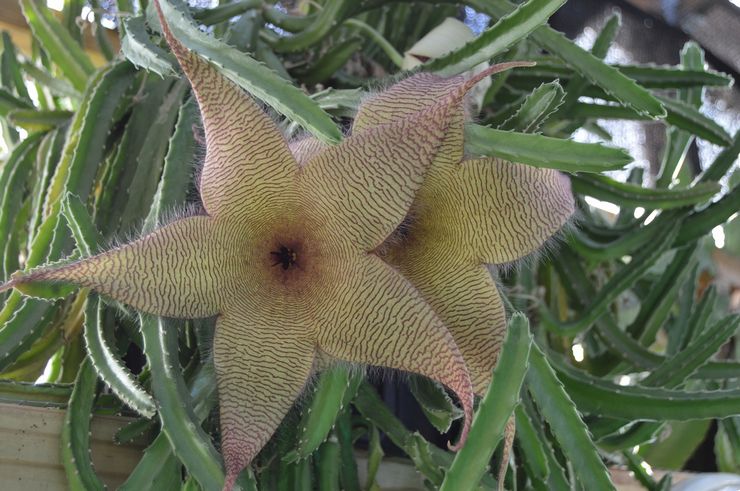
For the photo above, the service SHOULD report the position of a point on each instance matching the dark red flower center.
(284, 256)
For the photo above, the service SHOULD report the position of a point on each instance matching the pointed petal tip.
(467, 403)
(230, 481)
(492, 70)
(19, 278)
(8, 285)
(177, 48)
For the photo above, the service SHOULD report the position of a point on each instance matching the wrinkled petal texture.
(465, 215)
(261, 368)
(466, 298)
(179, 270)
(502, 211)
(377, 317)
(363, 187)
(248, 165)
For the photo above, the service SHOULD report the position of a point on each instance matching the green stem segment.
(471, 462)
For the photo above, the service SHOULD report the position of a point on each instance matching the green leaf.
(565, 423)
(335, 389)
(332, 61)
(348, 475)
(434, 401)
(75, 438)
(583, 62)
(674, 450)
(648, 76)
(578, 84)
(504, 33)
(679, 114)
(85, 145)
(699, 224)
(81, 225)
(600, 397)
(140, 50)
(620, 281)
(253, 76)
(157, 457)
(64, 51)
(226, 11)
(502, 396)
(539, 105)
(56, 85)
(328, 468)
(690, 119)
(723, 162)
(33, 394)
(176, 410)
(150, 158)
(38, 120)
(532, 448)
(621, 193)
(9, 102)
(13, 176)
(10, 71)
(618, 340)
(109, 366)
(318, 27)
(543, 151)
(682, 365)
(24, 321)
(727, 445)
(176, 172)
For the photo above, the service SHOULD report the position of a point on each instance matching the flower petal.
(305, 149)
(376, 317)
(261, 368)
(176, 271)
(466, 299)
(405, 98)
(508, 210)
(247, 158)
(361, 189)
(420, 92)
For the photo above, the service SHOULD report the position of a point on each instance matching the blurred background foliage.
(632, 361)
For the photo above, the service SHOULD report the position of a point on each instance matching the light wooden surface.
(30, 455)
(30, 449)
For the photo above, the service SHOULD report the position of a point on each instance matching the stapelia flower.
(284, 257)
(468, 213)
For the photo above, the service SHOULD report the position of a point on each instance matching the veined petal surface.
(248, 164)
(375, 316)
(179, 270)
(465, 296)
(363, 187)
(510, 209)
(262, 364)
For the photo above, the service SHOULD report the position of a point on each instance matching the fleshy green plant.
(103, 150)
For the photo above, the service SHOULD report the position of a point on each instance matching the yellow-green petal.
(261, 368)
(248, 163)
(407, 97)
(375, 316)
(179, 270)
(507, 210)
(361, 189)
(465, 297)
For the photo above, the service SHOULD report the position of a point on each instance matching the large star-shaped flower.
(468, 213)
(284, 256)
